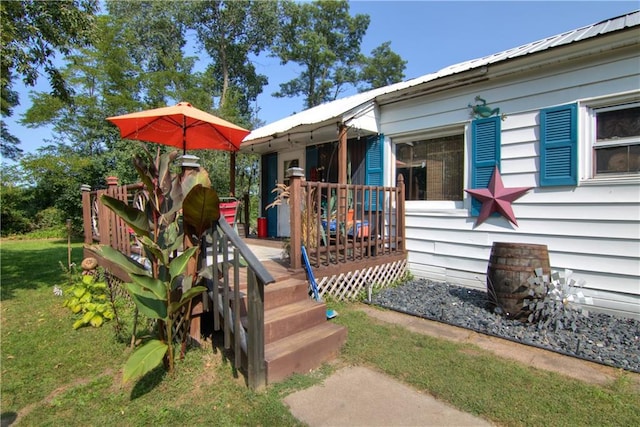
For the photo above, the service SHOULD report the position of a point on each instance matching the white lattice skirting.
(347, 286)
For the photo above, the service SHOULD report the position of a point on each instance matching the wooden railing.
(225, 248)
(340, 223)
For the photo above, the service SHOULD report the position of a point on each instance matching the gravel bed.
(605, 339)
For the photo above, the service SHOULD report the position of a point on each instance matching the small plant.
(88, 297)
(309, 230)
(561, 302)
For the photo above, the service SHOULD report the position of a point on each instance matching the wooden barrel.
(510, 267)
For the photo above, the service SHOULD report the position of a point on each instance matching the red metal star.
(496, 198)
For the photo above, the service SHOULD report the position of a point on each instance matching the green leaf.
(78, 292)
(179, 264)
(78, 324)
(135, 218)
(186, 297)
(117, 257)
(99, 286)
(96, 321)
(146, 301)
(172, 237)
(201, 209)
(156, 286)
(87, 317)
(144, 359)
(154, 249)
(186, 283)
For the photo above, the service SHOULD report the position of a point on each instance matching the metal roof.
(345, 109)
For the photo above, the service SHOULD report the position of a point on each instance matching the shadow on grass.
(8, 418)
(148, 382)
(217, 345)
(30, 265)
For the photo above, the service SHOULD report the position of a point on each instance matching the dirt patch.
(55, 393)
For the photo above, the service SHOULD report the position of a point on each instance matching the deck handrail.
(365, 221)
(227, 304)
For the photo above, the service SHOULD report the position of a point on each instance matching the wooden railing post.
(110, 237)
(295, 216)
(190, 165)
(86, 214)
(256, 368)
(401, 212)
(247, 216)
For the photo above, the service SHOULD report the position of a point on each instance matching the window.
(432, 168)
(616, 149)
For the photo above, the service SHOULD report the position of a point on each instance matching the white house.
(563, 117)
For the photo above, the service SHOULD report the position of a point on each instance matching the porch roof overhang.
(318, 124)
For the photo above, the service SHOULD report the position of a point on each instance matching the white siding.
(593, 230)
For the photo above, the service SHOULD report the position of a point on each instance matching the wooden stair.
(297, 335)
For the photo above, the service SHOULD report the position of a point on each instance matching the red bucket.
(262, 228)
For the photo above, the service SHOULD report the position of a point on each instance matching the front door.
(269, 181)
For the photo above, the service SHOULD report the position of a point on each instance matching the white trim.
(587, 110)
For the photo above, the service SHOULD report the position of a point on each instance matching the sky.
(429, 35)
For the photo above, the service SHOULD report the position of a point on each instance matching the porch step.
(278, 294)
(304, 351)
(291, 318)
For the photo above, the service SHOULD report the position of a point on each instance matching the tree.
(325, 41)
(383, 68)
(230, 32)
(33, 32)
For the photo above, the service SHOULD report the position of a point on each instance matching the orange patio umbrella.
(182, 126)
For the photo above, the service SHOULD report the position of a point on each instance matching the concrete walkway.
(358, 396)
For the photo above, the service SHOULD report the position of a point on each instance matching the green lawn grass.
(53, 375)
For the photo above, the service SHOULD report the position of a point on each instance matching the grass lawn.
(54, 375)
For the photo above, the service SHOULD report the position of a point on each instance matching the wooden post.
(256, 369)
(232, 174)
(342, 171)
(400, 212)
(342, 154)
(190, 166)
(247, 216)
(110, 238)
(295, 216)
(86, 214)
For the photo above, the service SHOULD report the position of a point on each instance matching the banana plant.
(177, 212)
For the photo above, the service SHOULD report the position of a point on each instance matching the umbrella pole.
(184, 135)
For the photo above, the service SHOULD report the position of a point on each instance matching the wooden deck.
(264, 307)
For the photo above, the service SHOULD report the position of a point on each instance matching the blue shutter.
(485, 155)
(559, 146)
(374, 166)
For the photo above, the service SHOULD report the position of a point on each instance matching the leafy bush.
(88, 298)
(50, 217)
